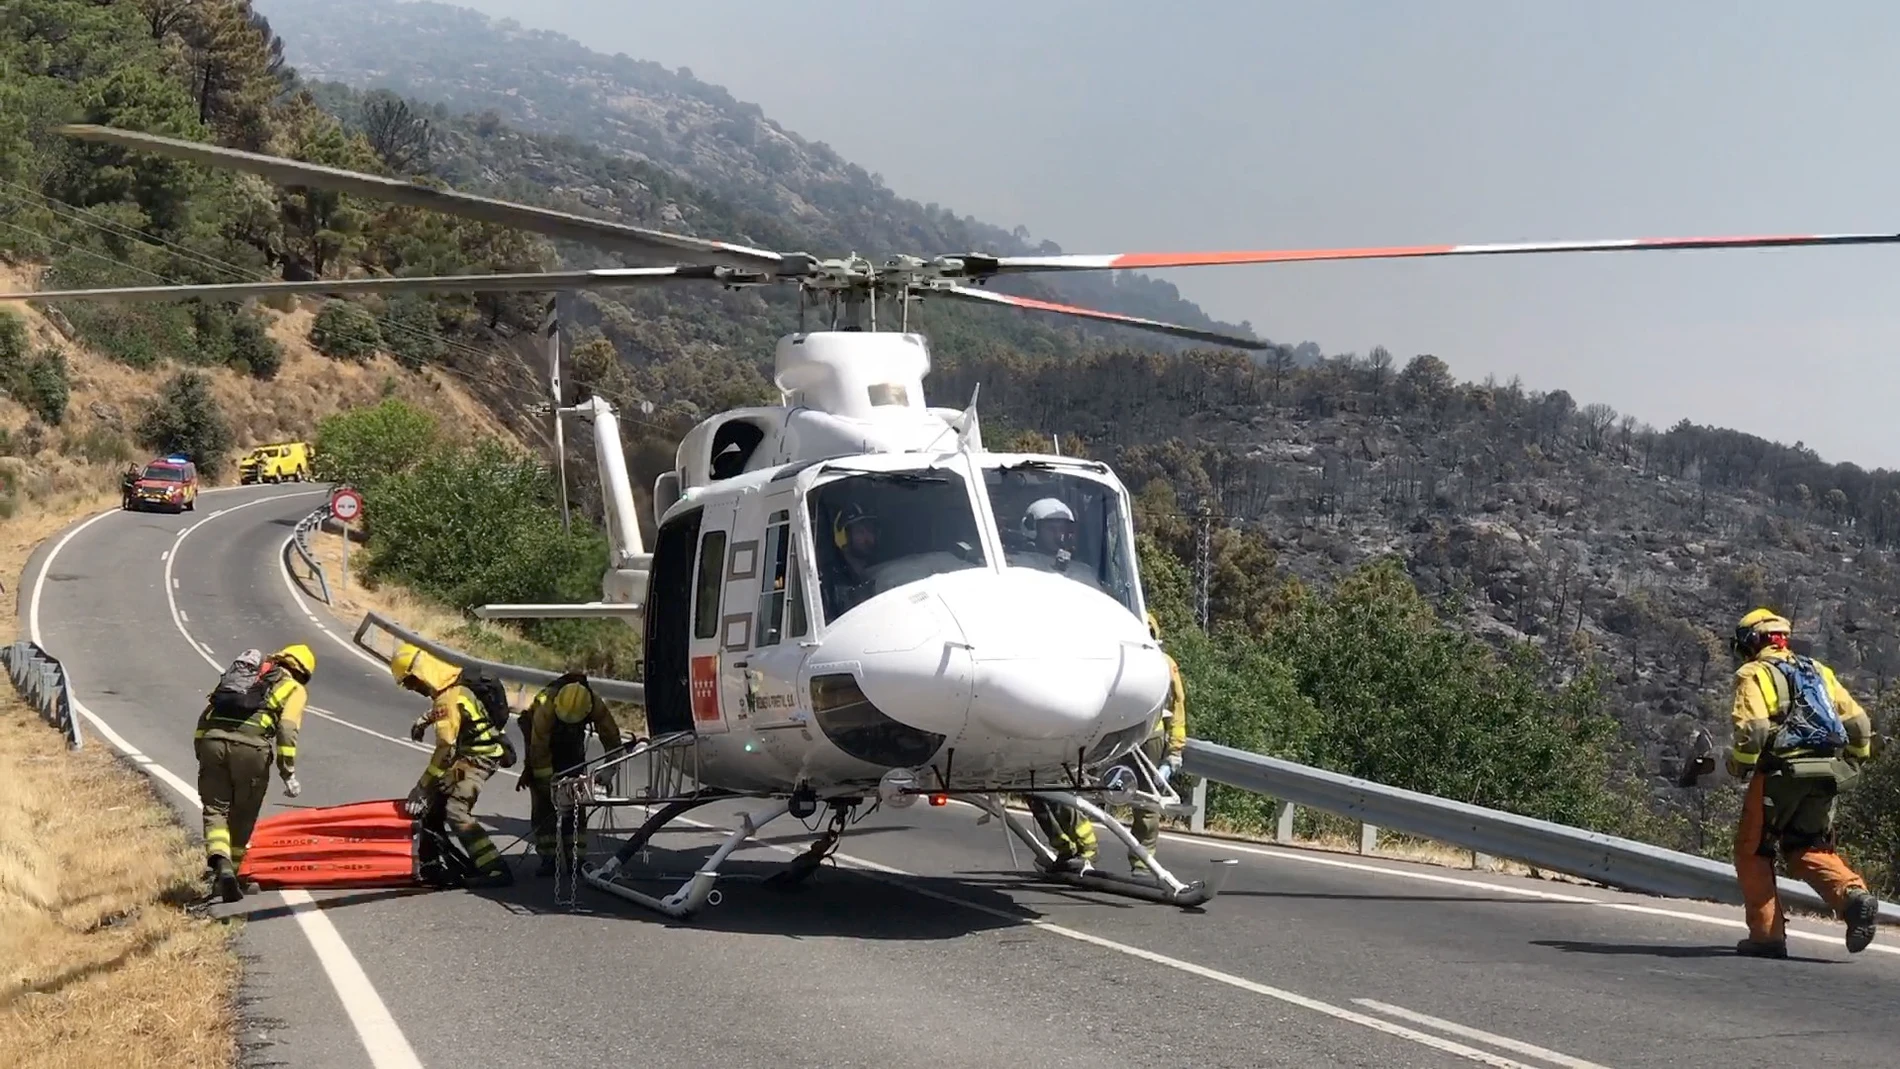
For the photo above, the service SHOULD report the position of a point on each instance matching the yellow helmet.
(1752, 631)
(1154, 627)
(1764, 622)
(300, 656)
(573, 703)
(404, 662)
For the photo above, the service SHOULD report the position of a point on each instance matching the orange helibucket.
(364, 844)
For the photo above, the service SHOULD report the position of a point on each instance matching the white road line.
(381, 1037)
(877, 871)
(297, 596)
(1313, 858)
(1478, 1035)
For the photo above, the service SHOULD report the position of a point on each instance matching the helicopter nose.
(912, 667)
(1054, 659)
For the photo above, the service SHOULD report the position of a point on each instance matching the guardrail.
(1605, 859)
(611, 689)
(300, 542)
(41, 680)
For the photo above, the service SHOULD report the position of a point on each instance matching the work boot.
(1749, 948)
(224, 879)
(499, 876)
(1861, 911)
(545, 868)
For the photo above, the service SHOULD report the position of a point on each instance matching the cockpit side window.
(878, 530)
(1064, 522)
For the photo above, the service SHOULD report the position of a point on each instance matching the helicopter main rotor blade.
(547, 221)
(987, 297)
(510, 283)
(981, 266)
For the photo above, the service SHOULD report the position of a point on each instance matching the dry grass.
(109, 398)
(99, 966)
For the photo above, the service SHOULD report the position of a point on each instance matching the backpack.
(1812, 723)
(488, 690)
(242, 688)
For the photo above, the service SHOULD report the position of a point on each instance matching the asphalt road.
(928, 944)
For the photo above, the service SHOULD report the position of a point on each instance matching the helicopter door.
(761, 688)
(669, 624)
(713, 632)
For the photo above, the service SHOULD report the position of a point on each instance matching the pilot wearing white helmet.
(1052, 525)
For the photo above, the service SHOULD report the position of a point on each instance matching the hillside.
(546, 83)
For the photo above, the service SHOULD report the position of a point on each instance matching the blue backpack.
(1812, 722)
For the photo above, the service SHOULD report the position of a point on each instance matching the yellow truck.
(278, 463)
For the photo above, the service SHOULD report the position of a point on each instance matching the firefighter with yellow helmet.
(1800, 737)
(256, 709)
(1163, 747)
(468, 749)
(556, 728)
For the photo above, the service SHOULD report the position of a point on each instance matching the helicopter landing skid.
(1161, 886)
(697, 892)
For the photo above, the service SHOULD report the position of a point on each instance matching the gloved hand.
(522, 782)
(417, 729)
(291, 787)
(604, 781)
(417, 802)
(1174, 763)
(1164, 773)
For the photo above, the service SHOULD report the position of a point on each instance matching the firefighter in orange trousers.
(1799, 738)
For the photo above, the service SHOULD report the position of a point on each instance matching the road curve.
(928, 945)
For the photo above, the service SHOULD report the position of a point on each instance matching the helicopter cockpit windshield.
(1058, 519)
(882, 529)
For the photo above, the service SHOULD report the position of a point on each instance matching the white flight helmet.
(1041, 511)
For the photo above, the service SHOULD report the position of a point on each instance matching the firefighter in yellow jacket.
(556, 726)
(234, 740)
(468, 749)
(1164, 748)
(1792, 784)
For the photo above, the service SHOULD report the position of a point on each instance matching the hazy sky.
(1118, 126)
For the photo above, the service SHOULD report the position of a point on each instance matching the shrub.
(46, 388)
(253, 350)
(345, 330)
(186, 419)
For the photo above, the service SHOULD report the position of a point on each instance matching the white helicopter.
(849, 599)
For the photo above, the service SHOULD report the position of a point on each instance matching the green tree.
(187, 419)
(365, 446)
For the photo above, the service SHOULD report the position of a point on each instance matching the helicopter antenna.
(551, 341)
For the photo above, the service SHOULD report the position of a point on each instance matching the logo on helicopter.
(706, 687)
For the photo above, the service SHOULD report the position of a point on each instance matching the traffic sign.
(346, 504)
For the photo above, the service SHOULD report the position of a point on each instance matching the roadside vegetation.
(99, 963)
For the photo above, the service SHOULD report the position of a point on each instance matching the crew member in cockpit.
(854, 533)
(1052, 525)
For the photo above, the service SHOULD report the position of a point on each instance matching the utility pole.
(1202, 566)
